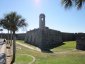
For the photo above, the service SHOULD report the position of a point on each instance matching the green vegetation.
(23, 59)
(65, 54)
(68, 46)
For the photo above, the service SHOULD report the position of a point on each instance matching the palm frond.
(70, 3)
(13, 21)
(22, 23)
(79, 3)
(67, 3)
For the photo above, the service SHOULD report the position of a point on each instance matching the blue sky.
(57, 17)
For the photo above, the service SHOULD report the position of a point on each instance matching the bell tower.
(42, 21)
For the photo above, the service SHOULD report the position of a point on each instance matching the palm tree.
(13, 22)
(5, 24)
(70, 3)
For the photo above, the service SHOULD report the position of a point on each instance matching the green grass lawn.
(65, 54)
(68, 46)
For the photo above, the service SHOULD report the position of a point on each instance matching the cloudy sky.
(57, 17)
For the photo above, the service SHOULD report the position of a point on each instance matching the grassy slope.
(65, 54)
(68, 46)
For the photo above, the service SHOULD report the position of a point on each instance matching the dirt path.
(27, 46)
(6, 51)
(9, 54)
(3, 48)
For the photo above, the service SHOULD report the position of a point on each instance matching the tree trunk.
(14, 47)
(8, 35)
(11, 38)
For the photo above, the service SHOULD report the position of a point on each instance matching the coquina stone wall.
(20, 36)
(80, 41)
(45, 39)
(51, 38)
(68, 36)
(34, 37)
(48, 38)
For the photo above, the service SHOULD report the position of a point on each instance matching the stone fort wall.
(48, 38)
(44, 39)
(20, 36)
(68, 36)
(34, 37)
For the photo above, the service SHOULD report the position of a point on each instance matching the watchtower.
(42, 21)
